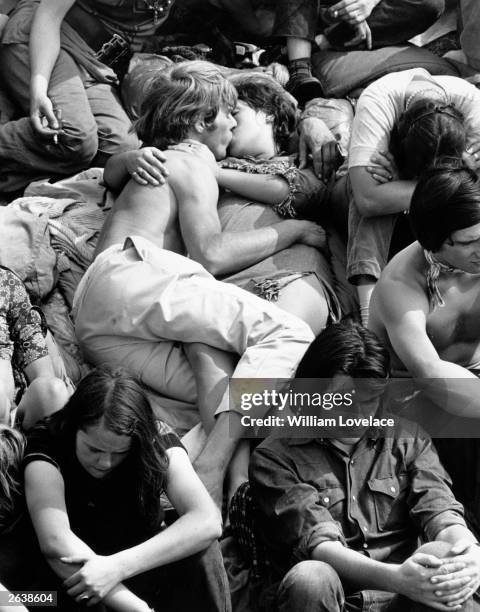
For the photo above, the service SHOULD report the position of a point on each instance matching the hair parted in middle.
(178, 98)
(428, 131)
(112, 396)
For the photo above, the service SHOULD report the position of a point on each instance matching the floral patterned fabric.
(22, 327)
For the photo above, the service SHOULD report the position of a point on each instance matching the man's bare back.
(152, 212)
(400, 310)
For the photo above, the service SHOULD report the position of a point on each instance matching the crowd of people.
(247, 240)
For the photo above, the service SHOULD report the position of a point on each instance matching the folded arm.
(45, 493)
(373, 198)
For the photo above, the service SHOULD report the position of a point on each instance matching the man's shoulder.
(406, 271)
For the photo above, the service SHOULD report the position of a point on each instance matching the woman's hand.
(97, 577)
(314, 133)
(146, 167)
(384, 168)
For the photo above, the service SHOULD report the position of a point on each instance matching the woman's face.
(253, 134)
(99, 450)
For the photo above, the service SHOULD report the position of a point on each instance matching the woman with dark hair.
(404, 123)
(95, 472)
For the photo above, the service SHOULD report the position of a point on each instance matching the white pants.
(138, 305)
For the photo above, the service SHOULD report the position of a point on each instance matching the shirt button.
(326, 499)
(353, 497)
(365, 545)
(392, 489)
(352, 462)
(365, 528)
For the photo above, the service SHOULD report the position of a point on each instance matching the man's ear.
(199, 126)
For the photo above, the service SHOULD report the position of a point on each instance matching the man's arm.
(403, 309)
(412, 578)
(373, 198)
(220, 252)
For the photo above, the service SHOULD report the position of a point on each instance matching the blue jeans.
(369, 240)
(314, 586)
(93, 122)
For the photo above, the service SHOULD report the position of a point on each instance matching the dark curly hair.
(263, 93)
(426, 132)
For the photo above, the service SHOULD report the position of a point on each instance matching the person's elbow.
(212, 259)
(210, 520)
(53, 547)
(367, 204)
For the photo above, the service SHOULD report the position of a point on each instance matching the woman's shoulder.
(47, 442)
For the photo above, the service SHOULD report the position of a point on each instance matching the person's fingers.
(454, 599)
(452, 586)
(138, 179)
(427, 560)
(368, 36)
(317, 159)
(160, 155)
(150, 173)
(302, 153)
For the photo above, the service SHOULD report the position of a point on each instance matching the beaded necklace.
(159, 8)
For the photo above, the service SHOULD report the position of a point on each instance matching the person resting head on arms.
(94, 477)
(28, 380)
(404, 123)
(341, 515)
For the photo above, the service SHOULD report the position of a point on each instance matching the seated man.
(163, 306)
(426, 305)
(426, 309)
(341, 516)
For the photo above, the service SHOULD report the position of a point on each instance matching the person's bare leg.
(212, 369)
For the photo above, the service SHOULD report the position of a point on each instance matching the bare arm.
(45, 493)
(44, 50)
(224, 252)
(412, 578)
(403, 309)
(198, 525)
(265, 188)
(373, 198)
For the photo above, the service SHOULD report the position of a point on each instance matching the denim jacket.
(377, 500)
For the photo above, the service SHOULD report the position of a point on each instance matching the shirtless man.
(426, 306)
(166, 318)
